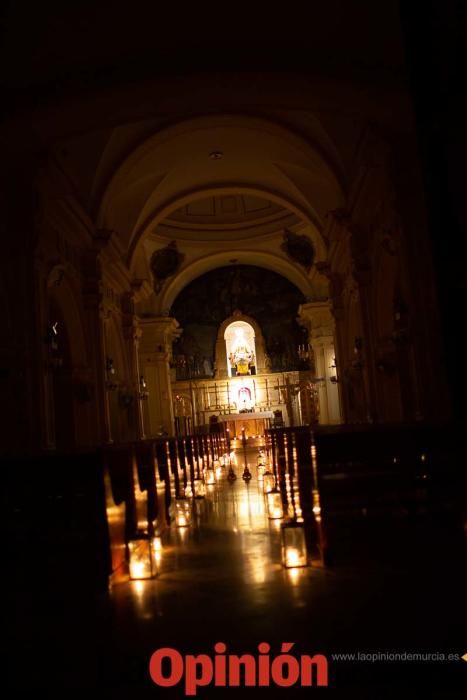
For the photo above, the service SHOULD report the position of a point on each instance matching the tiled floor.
(222, 580)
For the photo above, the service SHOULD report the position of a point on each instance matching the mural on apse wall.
(206, 302)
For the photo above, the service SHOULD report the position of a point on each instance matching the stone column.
(363, 276)
(220, 359)
(96, 317)
(45, 408)
(317, 317)
(155, 353)
(132, 333)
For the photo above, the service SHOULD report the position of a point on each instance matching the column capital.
(316, 316)
(158, 333)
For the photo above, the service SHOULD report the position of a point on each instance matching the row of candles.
(293, 540)
(145, 552)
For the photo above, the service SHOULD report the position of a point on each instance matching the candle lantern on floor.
(210, 476)
(294, 552)
(231, 476)
(141, 558)
(182, 512)
(275, 510)
(269, 481)
(199, 488)
(157, 547)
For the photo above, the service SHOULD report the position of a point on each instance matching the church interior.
(231, 305)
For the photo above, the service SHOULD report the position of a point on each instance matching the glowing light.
(142, 563)
(210, 476)
(182, 513)
(293, 557)
(294, 575)
(200, 489)
(294, 552)
(269, 481)
(139, 587)
(274, 500)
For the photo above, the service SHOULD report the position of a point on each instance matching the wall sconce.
(111, 372)
(333, 366)
(182, 512)
(142, 558)
(51, 336)
(55, 361)
(274, 501)
(294, 552)
(143, 390)
(357, 349)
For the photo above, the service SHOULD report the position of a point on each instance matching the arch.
(259, 258)
(172, 167)
(166, 208)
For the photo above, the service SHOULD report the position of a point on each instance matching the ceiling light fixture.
(216, 155)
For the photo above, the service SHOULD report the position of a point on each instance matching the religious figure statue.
(241, 358)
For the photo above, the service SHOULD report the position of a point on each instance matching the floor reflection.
(231, 546)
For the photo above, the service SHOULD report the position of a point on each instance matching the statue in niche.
(242, 358)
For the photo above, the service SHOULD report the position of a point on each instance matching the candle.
(267, 392)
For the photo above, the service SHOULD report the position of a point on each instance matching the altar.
(252, 425)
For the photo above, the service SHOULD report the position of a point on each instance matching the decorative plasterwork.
(165, 262)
